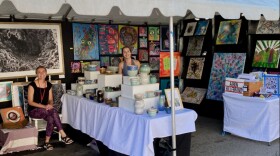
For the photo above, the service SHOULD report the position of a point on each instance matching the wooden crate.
(250, 87)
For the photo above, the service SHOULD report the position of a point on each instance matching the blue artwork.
(85, 40)
(165, 83)
(201, 28)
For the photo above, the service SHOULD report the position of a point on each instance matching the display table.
(120, 130)
(251, 117)
(15, 140)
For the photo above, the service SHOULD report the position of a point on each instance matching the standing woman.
(127, 60)
(40, 100)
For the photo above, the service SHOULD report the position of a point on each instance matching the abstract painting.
(195, 46)
(25, 46)
(201, 28)
(195, 68)
(12, 115)
(271, 83)
(268, 27)
(6, 91)
(193, 95)
(267, 54)
(143, 55)
(190, 29)
(143, 31)
(143, 42)
(153, 33)
(108, 39)
(85, 40)
(154, 48)
(154, 63)
(128, 38)
(84, 66)
(104, 61)
(76, 67)
(224, 65)
(164, 70)
(228, 32)
(114, 61)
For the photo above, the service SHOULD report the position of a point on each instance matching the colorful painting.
(108, 39)
(193, 95)
(224, 65)
(143, 42)
(164, 70)
(12, 115)
(76, 67)
(271, 83)
(153, 33)
(128, 38)
(143, 31)
(267, 54)
(165, 83)
(195, 46)
(154, 48)
(177, 98)
(143, 55)
(268, 27)
(164, 38)
(228, 32)
(195, 68)
(85, 39)
(84, 66)
(114, 61)
(201, 28)
(104, 61)
(190, 29)
(6, 91)
(154, 63)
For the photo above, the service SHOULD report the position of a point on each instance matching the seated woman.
(40, 100)
(127, 60)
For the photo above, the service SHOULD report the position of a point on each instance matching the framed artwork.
(177, 98)
(104, 61)
(195, 68)
(268, 27)
(142, 31)
(154, 48)
(228, 32)
(193, 95)
(154, 63)
(6, 91)
(195, 46)
(28, 45)
(76, 67)
(190, 29)
(143, 42)
(108, 39)
(224, 65)
(272, 83)
(12, 115)
(164, 70)
(164, 38)
(267, 54)
(153, 33)
(114, 61)
(85, 40)
(84, 66)
(128, 37)
(18, 97)
(201, 28)
(143, 55)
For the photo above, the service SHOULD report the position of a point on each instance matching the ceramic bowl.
(139, 96)
(91, 67)
(108, 72)
(114, 69)
(152, 112)
(102, 70)
(132, 67)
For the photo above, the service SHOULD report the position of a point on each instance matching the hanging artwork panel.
(108, 39)
(143, 42)
(128, 37)
(201, 28)
(114, 61)
(164, 70)
(142, 31)
(76, 67)
(228, 32)
(268, 27)
(195, 68)
(85, 40)
(154, 63)
(193, 95)
(224, 65)
(164, 38)
(153, 33)
(143, 55)
(272, 83)
(154, 48)
(104, 61)
(6, 91)
(84, 66)
(267, 54)
(190, 29)
(195, 46)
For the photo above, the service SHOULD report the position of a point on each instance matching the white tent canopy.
(137, 11)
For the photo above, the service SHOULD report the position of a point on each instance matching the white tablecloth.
(252, 117)
(120, 130)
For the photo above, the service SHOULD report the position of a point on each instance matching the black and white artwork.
(23, 47)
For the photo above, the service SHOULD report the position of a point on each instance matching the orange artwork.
(164, 70)
(12, 115)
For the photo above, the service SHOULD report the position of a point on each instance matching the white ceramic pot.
(139, 107)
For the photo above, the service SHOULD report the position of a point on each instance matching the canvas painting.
(12, 115)
(154, 63)
(268, 27)
(267, 54)
(108, 39)
(153, 33)
(114, 61)
(164, 70)
(224, 65)
(195, 68)
(271, 83)
(228, 32)
(85, 40)
(177, 98)
(190, 29)
(84, 66)
(6, 91)
(143, 55)
(76, 67)
(201, 28)
(193, 95)
(154, 48)
(195, 46)
(143, 42)
(142, 31)
(128, 37)
(105, 61)
(25, 46)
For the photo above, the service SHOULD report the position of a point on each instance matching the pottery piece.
(145, 68)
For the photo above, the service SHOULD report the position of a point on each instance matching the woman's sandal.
(48, 146)
(67, 140)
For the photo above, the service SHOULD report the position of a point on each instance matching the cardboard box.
(234, 86)
(250, 87)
